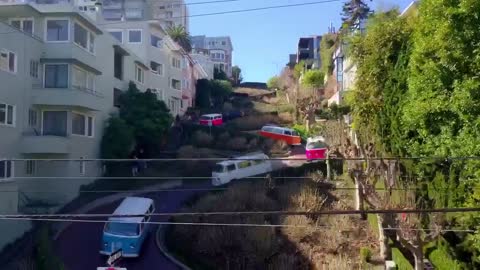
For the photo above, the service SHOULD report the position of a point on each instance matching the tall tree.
(219, 74)
(353, 12)
(148, 116)
(236, 75)
(180, 35)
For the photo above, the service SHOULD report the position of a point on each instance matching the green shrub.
(400, 260)
(365, 255)
(202, 139)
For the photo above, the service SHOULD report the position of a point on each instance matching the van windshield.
(205, 118)
(316, 145)
(124, 229)
(218, 168)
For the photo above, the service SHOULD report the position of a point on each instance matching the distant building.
(220, 51)
(308, 50)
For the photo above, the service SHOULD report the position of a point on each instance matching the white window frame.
(32, 118)
(14, 116)
(137, 69)
(162, 74)
(171, 84)
(34, 68)
(90, 36)
(56, 64)
(12, 170)
(173, 62)
(69, 24)
(22, 20)
(135, 42)
(87, 117)
(15, 62)
(42, 112)
(117, 30)
(87, 76)
(30, 167)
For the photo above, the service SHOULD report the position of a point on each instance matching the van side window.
(244, 164)
(287, 132)
(231, 167)
(258, 161)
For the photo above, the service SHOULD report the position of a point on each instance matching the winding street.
(78, 246)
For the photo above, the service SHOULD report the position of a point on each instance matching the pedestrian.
(141, 155)
(135, 165)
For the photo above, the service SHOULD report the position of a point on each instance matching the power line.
(243, 10)
(253, 213)
(229, 224)
(252, 159)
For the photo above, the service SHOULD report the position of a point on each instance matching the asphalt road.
(78, 246)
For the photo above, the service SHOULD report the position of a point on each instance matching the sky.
(262, 40)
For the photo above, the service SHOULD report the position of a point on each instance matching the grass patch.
(400, 260)
(440, 255)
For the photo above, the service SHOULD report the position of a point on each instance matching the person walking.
(135, 165)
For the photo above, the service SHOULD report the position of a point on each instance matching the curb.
(160, 241)
(110, 199)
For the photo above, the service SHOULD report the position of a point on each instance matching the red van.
(316, 148)
(213, 119)
(287, 135)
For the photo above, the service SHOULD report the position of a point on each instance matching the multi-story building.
(170, 13)
(220, 50)
(308, 50)
(61, 73)
(202, 57)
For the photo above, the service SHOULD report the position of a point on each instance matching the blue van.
(128, 233)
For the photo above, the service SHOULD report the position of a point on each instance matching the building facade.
(308, 50)
(220, 50)
(62, 71)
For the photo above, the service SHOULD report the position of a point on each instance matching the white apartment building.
(60, 74)
(220, 51)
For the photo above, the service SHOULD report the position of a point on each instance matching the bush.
(227, 106)
(117, 140)
(237, 144)
(202, 139)
(365, 255)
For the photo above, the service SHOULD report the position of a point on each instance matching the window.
(176, 84)
(30, 167)
(56, 76)
(118, 34)
(82, 124)
(244, 164)
(34, 66)
(231, 167)
(54, 123)
(176, 62)
(26, 25)
(156, 41)
(83, 38)
(139, 74)
(57, 30)
(116, 97)
(135, 36)
(83, 79)
(82, 166)
(156, 68)
(7, 115)
(32, 118)
(6, 169)
(168, 14)
(8, 61)
(118, 66)
(224, 43)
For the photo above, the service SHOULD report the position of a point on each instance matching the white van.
(240, 167)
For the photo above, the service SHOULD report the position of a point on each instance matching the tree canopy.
(219, 74)
(212, 92)
(353, 11)
(236, 75)
(147, 116)
(180, 35)
(273, 82)
(313, 78)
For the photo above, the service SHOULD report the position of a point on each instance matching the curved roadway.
(78, 246)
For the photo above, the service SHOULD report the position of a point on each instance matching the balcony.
(31, 144)
(71, 97)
